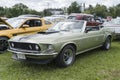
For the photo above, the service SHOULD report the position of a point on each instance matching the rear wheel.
(66, 56)
(107, 44)
(3, 43)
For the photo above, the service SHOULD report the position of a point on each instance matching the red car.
(91, 21)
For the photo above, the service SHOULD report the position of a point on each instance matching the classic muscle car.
(19, 26)
(91, 20)
(113, 26)
(61, 42)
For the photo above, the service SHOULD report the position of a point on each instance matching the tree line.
(16, 10)
(98, 10)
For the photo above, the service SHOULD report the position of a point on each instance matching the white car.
(55, 18)
(114, 26)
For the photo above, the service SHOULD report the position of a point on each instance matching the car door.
(82, 39)
(83, 42)
(94, 37)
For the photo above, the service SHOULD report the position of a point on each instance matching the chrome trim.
(28, 51)
(40, 54)
(23, 50)
(84, 26)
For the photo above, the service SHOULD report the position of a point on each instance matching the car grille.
(24, 46)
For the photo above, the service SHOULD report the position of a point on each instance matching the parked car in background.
(61, 16)
(29, 15)
(91, 21)
(18, 26)
(61, 42)
(109, 18)
(51, 19)
(114, 26)
(55, 18)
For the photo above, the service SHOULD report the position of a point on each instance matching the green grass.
(93, 65)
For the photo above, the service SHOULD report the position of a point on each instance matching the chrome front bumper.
(32, 56)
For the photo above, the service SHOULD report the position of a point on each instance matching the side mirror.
(25, 26)
(87, 30)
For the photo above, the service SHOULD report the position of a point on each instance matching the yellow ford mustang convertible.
(19, 26)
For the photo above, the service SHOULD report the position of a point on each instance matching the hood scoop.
(50, 32)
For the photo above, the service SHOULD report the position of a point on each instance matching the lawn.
(93, 65)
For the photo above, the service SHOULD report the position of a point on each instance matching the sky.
(40, 5)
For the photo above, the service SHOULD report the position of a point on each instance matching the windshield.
(15, 22)
(67, 26)
(72, 17)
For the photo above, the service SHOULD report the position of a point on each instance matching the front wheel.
(107, 44)
(3, 43)
(66, 57)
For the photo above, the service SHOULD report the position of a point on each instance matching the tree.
(101, 10)
(74, 8)
(90, 10)
(46, 12)
(114, 11)
(1, 11)
(19, 9)
(20, 5)
(98, 10)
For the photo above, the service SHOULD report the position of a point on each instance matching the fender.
(63, 45)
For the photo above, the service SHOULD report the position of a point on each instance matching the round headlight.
(50, 47)
(30, 46)
(12, 45)
(36, 47)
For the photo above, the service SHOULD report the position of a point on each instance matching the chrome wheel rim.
(108, 45)
(68, 56)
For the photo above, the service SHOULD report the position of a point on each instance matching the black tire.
(66, 57)
(107, 44)
(3, 43)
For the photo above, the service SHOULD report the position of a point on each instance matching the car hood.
(4, 22)
(41, 38)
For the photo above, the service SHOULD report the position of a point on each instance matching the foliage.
(2, 11)
(74, 8)
(47, 12)
(98, 10)
(115, 10)
(16, 10)
(103, 11)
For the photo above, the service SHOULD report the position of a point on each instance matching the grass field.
(93, 65)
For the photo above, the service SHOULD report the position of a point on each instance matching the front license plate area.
(21, 56)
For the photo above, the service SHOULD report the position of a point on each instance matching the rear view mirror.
(25, 26)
